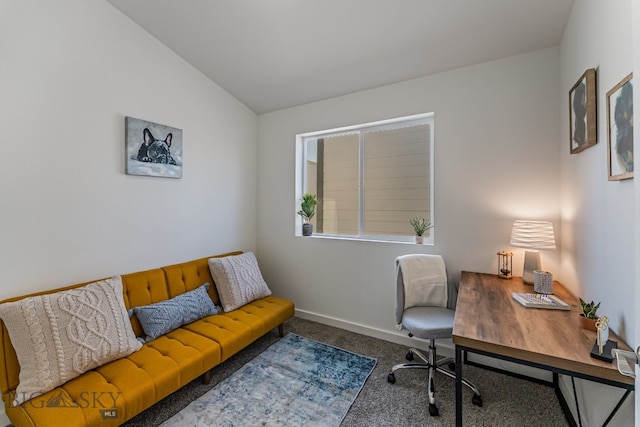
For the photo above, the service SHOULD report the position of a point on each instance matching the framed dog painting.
(152, 149)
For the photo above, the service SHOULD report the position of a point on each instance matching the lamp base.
(531, 263)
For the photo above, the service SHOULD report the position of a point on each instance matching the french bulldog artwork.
(153, 149)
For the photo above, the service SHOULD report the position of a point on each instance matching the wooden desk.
(489, 321)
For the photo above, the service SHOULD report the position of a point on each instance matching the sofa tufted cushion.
(238, 280)
(61, 335)
(165, 316)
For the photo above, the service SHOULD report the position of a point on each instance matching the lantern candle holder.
(505, 264)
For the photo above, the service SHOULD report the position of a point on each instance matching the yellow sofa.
(115, 392)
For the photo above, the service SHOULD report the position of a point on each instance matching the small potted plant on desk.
(307, 211)
(588, 316)
(420, 226)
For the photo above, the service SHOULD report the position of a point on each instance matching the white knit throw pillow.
(238, 280)
(61, 335)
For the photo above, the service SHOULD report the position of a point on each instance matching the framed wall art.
(152, 149)
(620, 130)
(582, 113)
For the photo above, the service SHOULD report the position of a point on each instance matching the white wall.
(496, 135)
(71, 70)
(635, 6)
(598, 217)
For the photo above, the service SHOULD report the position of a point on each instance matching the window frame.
(301, 174)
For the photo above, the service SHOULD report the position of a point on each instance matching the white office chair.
(422, 294)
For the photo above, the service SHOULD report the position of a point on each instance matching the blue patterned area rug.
(295, 382)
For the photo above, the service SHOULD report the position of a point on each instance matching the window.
(369, 179)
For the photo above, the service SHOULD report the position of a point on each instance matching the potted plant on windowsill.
(307, 211)
(420, 226)
(588, 316)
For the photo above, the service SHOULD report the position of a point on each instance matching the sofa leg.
(281, 330)
(206, 377)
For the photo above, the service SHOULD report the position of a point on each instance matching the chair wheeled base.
(430, 364)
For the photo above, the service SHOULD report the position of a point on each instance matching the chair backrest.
(421, 280)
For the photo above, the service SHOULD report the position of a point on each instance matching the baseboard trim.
(445, 346)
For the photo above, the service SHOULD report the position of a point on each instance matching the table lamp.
(532, 235)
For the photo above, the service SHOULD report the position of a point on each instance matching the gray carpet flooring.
(507, 401)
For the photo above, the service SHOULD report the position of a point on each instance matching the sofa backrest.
(140, 288)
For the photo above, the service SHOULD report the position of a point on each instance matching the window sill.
(366, 239)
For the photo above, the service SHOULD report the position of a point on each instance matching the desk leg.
(575, 396)
(458, 386)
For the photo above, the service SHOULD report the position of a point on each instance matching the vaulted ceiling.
(274, 54)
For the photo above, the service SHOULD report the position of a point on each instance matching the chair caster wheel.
(477, 400)
(433, 410)
(409, 356)
(452, 367)
(391, 378)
